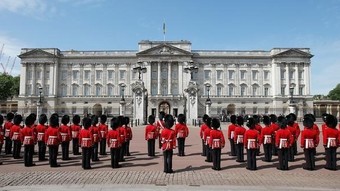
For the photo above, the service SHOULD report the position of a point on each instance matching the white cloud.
(24, 7)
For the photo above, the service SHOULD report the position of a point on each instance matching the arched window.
(243, 90)
(98, 90)
(63, 90)
(75, 90)
(86, 90)
(110, 90)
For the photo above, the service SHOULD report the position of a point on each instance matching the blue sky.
(218, 24)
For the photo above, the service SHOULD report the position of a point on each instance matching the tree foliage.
(9, 86)
(334, 94)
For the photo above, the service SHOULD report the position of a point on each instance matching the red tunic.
(15, 132)
(75, 129)
(216, 135)
(283, 134)
(292, 130)
(128, 133)
(206, 135)
(275, 127)
(52, 136)
(27, 136)
(114, 139)
(297, 127)
(95, 133)
(2, 134)
(316, 128)
(8, 125)
(181, 130)
(231, 131)
(168, 138)
(150, 132)
(258, 127)
(41, 129)
(266, 131)
(203, 128)
(65, 132)
(122, 133)
(330, 133)
(239, 132)
(85, 138)
(103, 129)
(309, 134)
(251, 134)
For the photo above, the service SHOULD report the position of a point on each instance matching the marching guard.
(7, 127)
(266, 139)
(231, 134)
(151, 135)
(53, 139)
(128, 137)
(292, 129)
(309, 141)
(275, 127)
(202, 129)
(251, 139)
(206, 136)
(114, 141)
(15, 136)
(216, 142)
(283, 140)
(41, 129)
(86, 141)
(258, 128)
(239, 138)
(168, 138)
(96, 137)
(65, 133)
(122, 134)
(103, 129)
(331, 142)
(181, 131)
(28, 138)
(75, 129)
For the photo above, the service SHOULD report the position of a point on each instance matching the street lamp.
(140, 69)
(291, 91)
(208, 90)
(40, 92)
(39, 103)
(192, 68)
(123, 88)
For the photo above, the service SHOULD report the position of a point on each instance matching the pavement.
(140, 172)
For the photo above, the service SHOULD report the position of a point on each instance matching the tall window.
(46, 90)
(219, 90)
(301, 90)
(243, 74)
(122, 74)
(64, 74)
(283, 88)
(110, 90)
(219, 74)
(87, 74)
(75, 74)
(110, 74)
(266, 91)
(254, 90)
(74, 90)
(47, 75)
(266, 75)
(63, 90)
(99, 74)
(98, 90)
(207, 74)
(231, 90)
(243, 90)
(38, 74)
(300, 74)
(283, 74)
(29, 89)
(231, 74)
(29, 74)
(86, 90)
(291, 74)
(255, 74)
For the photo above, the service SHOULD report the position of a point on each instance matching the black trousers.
(251, 159)
(239, 152)
(331, 158)
(115, 157)
(283, 158)
(65, 147)
(16, 149)
(75, 146)
(274, 152)
(267, 149)
(295, 148)
(53, 153)
(127, 148)
(8, 146)
(28, 155)
(151, 147)
(41, 150)
(0, 148)
(122, 152)
(208, 153)
(204, 152)
(181, 145)
(102, 146)
(168, 160)
(216, 157)
(232, 147)
(86, 157)
(310, 159)
(95, 152)
(291, 154)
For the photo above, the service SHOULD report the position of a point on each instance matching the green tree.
(334, 94)
(6, 83)
(16, 86)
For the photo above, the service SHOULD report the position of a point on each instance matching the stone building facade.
(165, 76)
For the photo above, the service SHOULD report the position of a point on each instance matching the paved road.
(145, 173)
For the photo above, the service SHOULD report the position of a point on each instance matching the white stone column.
(34, 80)
(23, 77)
(180, 77)
(169, 78)
(287, 81)
(159, 79)
(307, 74)
(104, 80)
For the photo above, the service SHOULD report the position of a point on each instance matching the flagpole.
(164, 30)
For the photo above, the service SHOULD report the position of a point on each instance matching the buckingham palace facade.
(165, 76)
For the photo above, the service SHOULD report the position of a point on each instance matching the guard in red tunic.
(292, 129)
(202, 129)
(324, 126)
(309, 141)
(128, 137)
(114, 141)
(15, 136)
(168, 138)
(151, 135)
(216, 143)
(160, 127)
(96, 137)
(41, 129)
(28, 139)
(283, 141)
(1, 134)
(182, 132)
(275, 127)
(65, 132)
(297, 132)
(231, 134)
(266, 139)
(251, 143)
(331, 142)
(103, 129)
(86, 141)
(75, 129)
(258, 128)
(53, 139)
(239, 138)
(122, 134)
(206, 138)
(7, 127)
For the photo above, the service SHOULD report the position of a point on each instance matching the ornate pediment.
(36, 53)
(164, 49)
(293, 53)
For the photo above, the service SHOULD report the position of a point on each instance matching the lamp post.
(122, 100)
(39, 103)
(208, 101)
(291, 105)
(140, 69)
